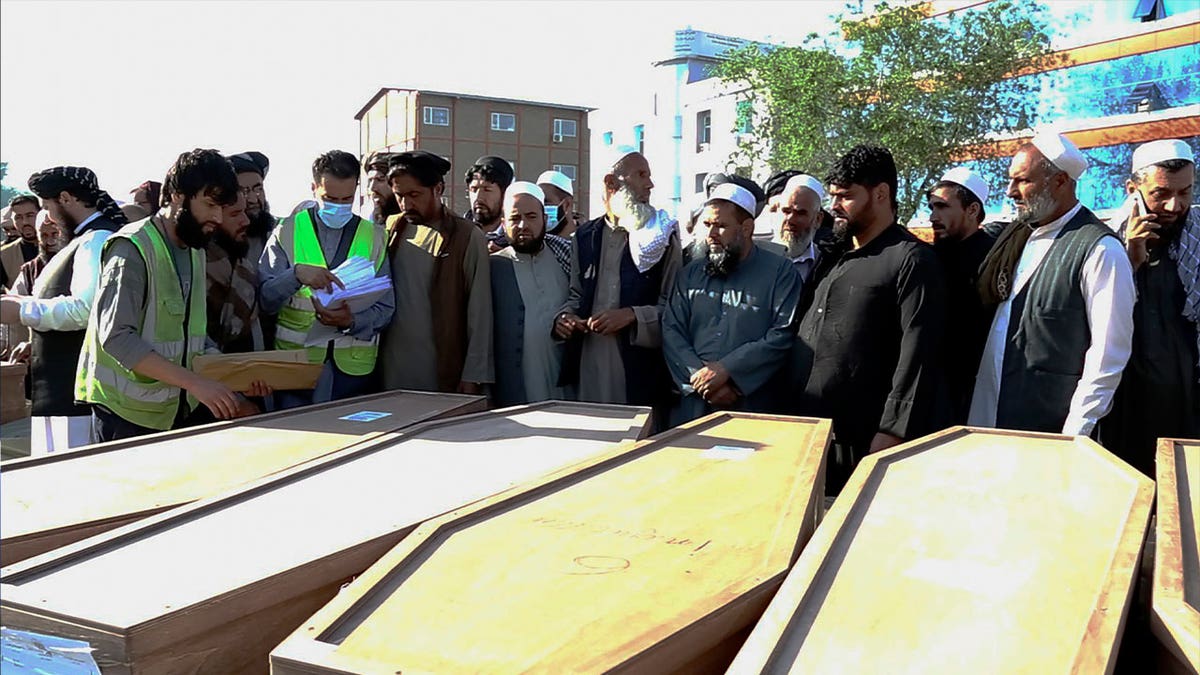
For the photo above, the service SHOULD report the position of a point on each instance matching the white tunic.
(1106, 281)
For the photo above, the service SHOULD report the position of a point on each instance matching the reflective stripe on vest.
(136, 398)
(296, 317)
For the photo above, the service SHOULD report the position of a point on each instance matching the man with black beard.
(251, 168)
(150, 321)
(13, 255)
(61, 303)
(956, 215)
(731, 318)
(866, 354)
(231, 276)
(1063, 291)
(486, 182)
(528, 287)
(384, 201)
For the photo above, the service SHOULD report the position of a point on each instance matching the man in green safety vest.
(149, 321)
(297, 261)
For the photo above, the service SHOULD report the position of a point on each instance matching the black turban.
(778, 181)
(429, 169)
(495, 169)
(79, 181)
(251, 161)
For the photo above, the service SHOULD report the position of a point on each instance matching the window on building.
(703, 130)
(504, 122)
(1150, 10)
(700, 182)
(565, 128)
(607, 138)
(639, 138)
(436, 116)
(745, 117)
(567, 170)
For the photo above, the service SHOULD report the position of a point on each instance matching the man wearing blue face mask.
(298, 259)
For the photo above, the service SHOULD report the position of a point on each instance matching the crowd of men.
(1055, 322)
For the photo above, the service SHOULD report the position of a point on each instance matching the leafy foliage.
(919, 86)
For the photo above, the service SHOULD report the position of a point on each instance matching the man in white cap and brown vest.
(956, 214)
(1159, 395)
(1063, 291)
(731, 319)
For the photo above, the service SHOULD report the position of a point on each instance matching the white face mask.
(334, 215)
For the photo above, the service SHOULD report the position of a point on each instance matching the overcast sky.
(124, 87)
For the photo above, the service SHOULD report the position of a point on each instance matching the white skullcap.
(806, 181)
(1061, 153)
(524, 187)
(1157, 152)
(558, 179)
(618, 153)
(729, 192)
(967, 178)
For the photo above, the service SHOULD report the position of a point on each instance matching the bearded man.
(383, 201)
(487, 180)
(622, 269)
(799, 216)
(51, 239)
(731, 318)
(528, 288)
(1064, 294)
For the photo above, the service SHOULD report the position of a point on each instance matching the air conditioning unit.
(558, 138)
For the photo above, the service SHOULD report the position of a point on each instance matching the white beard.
(796, 246)
(629, 212)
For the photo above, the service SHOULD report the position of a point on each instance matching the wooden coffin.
(967, 551)
(12, 392)
(1175, 595)
(52, 500)
(655, 558)
(213, 586)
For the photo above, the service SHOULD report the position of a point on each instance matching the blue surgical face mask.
(553, 217)
(334, 215)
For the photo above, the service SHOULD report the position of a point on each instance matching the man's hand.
(218, 398)
(338, 316)
(10, 309)
(246, 407)
(317, 278)
(723, 397)
(259, 389)
(1139, 230)
(473, 388)
(883, 441)
(710, 378)
(567, 324)
(611, 321)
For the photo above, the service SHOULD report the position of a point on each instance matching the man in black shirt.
(24, 209)
(867, 351)
(956, 214)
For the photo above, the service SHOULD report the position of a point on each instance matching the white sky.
(124, 87)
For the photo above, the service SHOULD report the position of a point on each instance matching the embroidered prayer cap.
(803, 180)
(524, 187)
(733, 193)
(961, 175)
(558, 179)
(778, 181)
(1157, 152)
(617, 154)
(1062, 153)
(496, 166)
(251, 161)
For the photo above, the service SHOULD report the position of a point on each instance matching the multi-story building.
(532, 136)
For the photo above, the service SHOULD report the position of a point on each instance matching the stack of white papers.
(362, 289)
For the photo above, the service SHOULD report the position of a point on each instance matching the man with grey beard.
(732, 315)
(622, 268)
(800, 215)
(1064, 295)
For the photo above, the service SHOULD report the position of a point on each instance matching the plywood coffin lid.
(1176, 593)
(52, 500)
(642, 558)
(970, 550)
(289, 533)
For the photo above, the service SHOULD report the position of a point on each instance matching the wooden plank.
(1175, 618)
(53, 500)
(967, 551)
(211, 587)
(653, 558)
(13, 405)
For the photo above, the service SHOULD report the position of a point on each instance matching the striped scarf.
(232, 286)
(1186, 254)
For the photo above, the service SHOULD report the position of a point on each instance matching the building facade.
(532, 136)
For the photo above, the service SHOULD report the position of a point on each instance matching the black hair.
(866, 165)
(425, 175)
(488, 173)
(965, 196)
(336, 163)
(153, 190)
(24, 199)
(199, 172)
(1170, 166)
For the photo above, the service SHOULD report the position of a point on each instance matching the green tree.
(922, 87)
